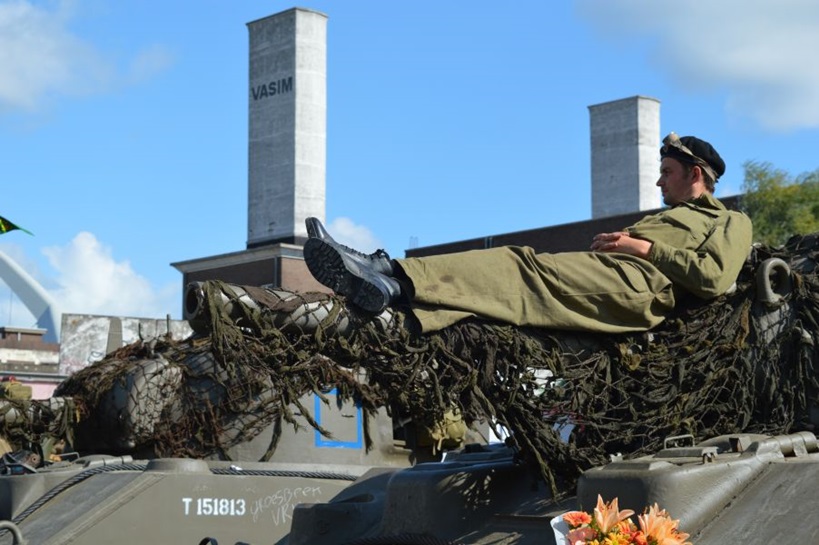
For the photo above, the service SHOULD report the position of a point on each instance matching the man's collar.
(706, 200)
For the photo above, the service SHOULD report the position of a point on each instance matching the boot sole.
(328, 266)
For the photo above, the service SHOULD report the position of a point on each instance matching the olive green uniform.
(697, 246)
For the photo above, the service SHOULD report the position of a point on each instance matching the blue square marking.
(322, 441)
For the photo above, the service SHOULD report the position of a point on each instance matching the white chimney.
(625, 156)
(287, 125)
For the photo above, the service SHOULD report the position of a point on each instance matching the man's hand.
(621, 242)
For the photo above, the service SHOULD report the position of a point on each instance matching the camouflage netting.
(727, 366)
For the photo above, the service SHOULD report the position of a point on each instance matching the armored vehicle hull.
(289, 418)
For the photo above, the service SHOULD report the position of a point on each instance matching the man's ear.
(696, 172)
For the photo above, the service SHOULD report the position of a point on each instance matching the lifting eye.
(773, 281)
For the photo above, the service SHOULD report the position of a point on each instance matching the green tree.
(779, 204)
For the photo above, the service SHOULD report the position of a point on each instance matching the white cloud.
(41, 58)
(88, 280)
(345, 231)
(761, 53)
(91, 281)
(149, 62)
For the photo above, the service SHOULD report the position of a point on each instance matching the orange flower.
(639, 538)
(576, 518)
(608, 515)
(625, 527)
(580, 536)
(658, 526)
(617, 539)
(611, 526)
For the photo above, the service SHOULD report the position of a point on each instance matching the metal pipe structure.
(34, 296)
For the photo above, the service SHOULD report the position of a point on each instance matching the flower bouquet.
(610, 526)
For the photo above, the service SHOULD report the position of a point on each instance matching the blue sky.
(123, 123)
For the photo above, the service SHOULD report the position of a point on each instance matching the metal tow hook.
(15, 532)
(773, 281)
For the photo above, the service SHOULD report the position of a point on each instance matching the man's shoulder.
(713, 207)
(707, 201)
(710, 205)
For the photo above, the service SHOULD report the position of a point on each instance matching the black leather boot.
(364, 279)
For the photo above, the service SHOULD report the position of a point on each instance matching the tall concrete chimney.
(287, 128)
(625, 156)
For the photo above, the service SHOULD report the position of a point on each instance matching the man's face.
(676, 184)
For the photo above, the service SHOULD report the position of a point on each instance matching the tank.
(288, 418)
(174, 442)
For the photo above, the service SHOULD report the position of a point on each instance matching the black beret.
(701, 150)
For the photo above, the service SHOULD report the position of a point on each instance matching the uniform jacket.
(697, 247)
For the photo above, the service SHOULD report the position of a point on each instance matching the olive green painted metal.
(730, 489)
(103, 499)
